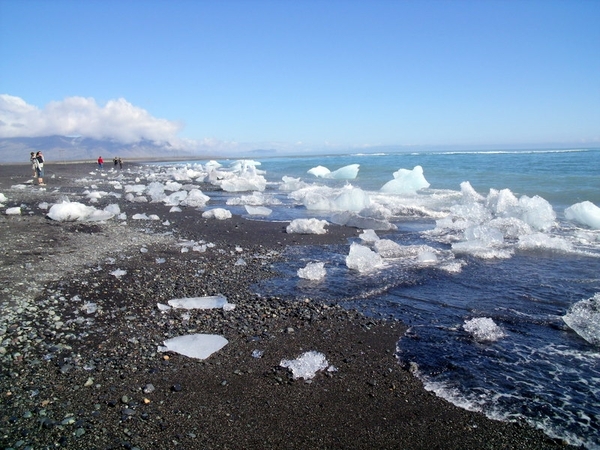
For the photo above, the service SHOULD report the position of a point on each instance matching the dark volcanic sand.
(82, 381)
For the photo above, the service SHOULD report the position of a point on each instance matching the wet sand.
(90, 377)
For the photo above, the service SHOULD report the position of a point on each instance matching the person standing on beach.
(120, 163)
(39, 168)
(100, 162)
(32, 160)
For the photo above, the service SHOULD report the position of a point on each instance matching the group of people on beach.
(37, 164)
(116, 161)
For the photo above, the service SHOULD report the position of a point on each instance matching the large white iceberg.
(406, 182)
(348, 172)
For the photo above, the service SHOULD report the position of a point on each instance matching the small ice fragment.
(306, 365)
(257, 353)
(118, 273)
(313, 271)
(13, 211)
(209, 302)
(163, 307)
(483, 329)
(199, 346)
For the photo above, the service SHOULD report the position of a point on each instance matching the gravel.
(80, 331)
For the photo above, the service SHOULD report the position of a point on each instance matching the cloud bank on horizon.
(78, 116)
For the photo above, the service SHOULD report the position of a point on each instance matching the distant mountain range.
(64, 149)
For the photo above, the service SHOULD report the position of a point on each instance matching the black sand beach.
(80, 380)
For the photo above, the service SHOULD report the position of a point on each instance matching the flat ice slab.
(210, 302)
(199, 346)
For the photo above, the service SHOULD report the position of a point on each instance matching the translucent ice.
(362, 258)
(74, 211)
(483, 329)
(209, 302)
(369, 236)
(15, 210)
(258, 210)
(306, 365)
(584, 213)
(195, 199)
(199, 346)
(584, 318)
(348, 172)
(406, 181)
(313, 271)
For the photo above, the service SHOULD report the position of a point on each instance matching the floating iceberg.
(584, 213)
(348, 172)
(584, 318)
(199, 346)
(483, 329)
(406, 182)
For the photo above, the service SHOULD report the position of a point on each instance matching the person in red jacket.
(100, 162)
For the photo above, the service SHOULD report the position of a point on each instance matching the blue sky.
(314, 74)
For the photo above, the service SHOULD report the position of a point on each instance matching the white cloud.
(118, 119)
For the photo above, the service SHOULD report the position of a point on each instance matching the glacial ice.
(199, 346)
(362, 258)
(323, 198)
(313, 271)
(483, 329)
(307, 226)
(584, 318)
(306, 365)
(15, 210)
(195, 199)
(584, 213)
(258, 210)
(369, 235)
(348, 172)
(406, 182)
(217, 213)
(75, 211)
(208, 302)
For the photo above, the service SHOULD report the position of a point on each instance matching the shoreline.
(82, 379)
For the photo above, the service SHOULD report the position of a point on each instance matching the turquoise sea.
(497, 278)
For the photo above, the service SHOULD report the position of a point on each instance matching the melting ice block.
(313, 271)
(584, 318)
(406, 182)
(306, 365)
(584, 213)
(209, 302)
(72, 211)
(199, 346)
(307, 226)
(483, 329)
(362, 258)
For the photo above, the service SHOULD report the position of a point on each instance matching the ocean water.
(499, 286)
